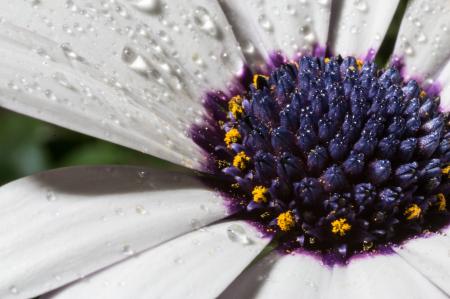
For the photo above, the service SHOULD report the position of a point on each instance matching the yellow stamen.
(241, 160)
(326, 60)
(235, 186)
(286, 221)
(235, 106)
(222, 163)
(442, 202)
(359, 64)
(352, 68)
(412, 212)
(232, 136)
(340, 226)
(255, 79)
(260, 194)
(446, 170)
(264, 215)
(422, 94)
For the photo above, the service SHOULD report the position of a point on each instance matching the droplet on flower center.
(330, 155)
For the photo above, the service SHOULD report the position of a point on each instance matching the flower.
(134, 73)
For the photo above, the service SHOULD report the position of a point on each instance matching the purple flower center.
(331, 155)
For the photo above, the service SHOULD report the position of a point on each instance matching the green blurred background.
(28, 145)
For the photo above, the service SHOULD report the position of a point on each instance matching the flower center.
(331, 155)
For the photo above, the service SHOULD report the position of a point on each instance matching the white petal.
(359, 26)
(197, 265)
(130, 75)
(430, 255)
(424, 41)
(61, 225)
(277, 276)
(292, 26)
(443, 84)
(380, 276)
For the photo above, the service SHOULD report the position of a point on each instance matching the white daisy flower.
(318, 174)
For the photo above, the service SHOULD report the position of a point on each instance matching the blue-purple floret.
(332, 139)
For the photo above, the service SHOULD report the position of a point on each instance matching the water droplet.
(417, 22)
(197, 59)
(148, 6)
(119, 212)
(308, 34)
(141, 210)
(421, 37)
(205, 22)
(70, 54)
(237, 233)
(360, 5)
(62, 80)
(50, 95)
(408, 49)
(248, 47)
(13, 290)
(195, 224)
(142, 174)
(50, 195)
(291, 10)
(126, 250)
(265, 23)
(134, 61)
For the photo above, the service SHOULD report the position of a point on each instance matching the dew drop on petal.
(141, 210)
(13, 290)
(408, 49)
(119, 212)
(323, 2)
(50, 195)
(360, 5)
(127, 250)
(195, 224)
(148, 6)
(421, 37)
(265, 23)
(308, 34)
(205, 22)
(134, 60)
(248, 47)
(237, 233)
(70, 54)
(142, 174)
(62, 80)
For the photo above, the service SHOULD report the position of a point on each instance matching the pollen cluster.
(332, 155)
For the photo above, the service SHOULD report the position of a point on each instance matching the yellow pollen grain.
(241, 160)
(327, 60)
(232, 136)
(442, 202)
(352, 68)
(222, 163)
(422, 94)
(286, 221)
(235, 106)
(235, 186)
(446, 170)
(359, 63)
(412, 212)
(340, 227)
(255, 79)
(260, 194)
(264, 215)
